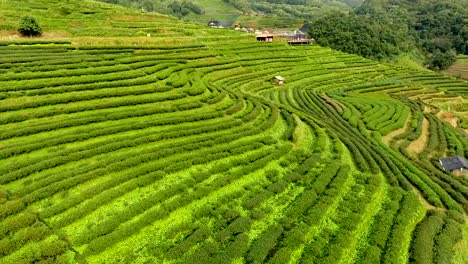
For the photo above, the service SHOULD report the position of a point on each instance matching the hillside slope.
(250, 13)
(460, 68)
(90, 21)
(431, 32)
(180, 149)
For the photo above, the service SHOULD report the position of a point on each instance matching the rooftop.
(453, 163)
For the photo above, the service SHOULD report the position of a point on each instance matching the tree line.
(434, 32)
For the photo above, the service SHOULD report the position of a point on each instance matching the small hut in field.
(456, 165)
(278, 80)
(265, 37)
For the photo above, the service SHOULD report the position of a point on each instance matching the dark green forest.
(435, 31)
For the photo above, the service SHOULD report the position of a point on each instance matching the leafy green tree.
(29, 27)
(439, 60)
(356, 34)
(183, 8)
(380, 29)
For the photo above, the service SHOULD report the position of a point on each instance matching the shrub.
(423, 242)
(262, 246)
(29, 27)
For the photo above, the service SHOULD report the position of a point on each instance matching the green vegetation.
(29, 27)
(433, 30)
(177, 148)
(460, 67)
(268, 13)
(360, 35)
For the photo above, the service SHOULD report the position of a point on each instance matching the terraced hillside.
(190, 154)
(94, 23)
(460, 67)
(186, 153)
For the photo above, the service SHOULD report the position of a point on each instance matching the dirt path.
(449, 117)
(386, 139)
(417, 146)
(428, 109)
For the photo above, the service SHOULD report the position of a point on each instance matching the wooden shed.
(278, 80)
(265, 37)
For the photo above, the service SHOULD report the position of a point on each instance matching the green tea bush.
(425, 234)
(262, 246)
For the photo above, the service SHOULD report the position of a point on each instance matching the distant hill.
(433, 32)
(267, 13)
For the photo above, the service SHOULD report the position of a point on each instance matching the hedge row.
(93, 118)
(215, 152)
(81, 134)
(109, 237)
(424, 239)
(410, 213)
(380, 229)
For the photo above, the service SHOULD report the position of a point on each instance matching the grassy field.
(177, 148)
(460, 67)
(83, 20)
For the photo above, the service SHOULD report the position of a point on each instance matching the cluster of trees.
(441, 30)
(434, 30)
(184, 8)
(362, 35)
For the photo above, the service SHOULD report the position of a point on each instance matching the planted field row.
(190, 155)
(360, 115)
